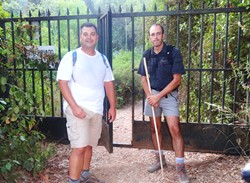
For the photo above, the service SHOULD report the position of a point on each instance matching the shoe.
(181, 173)
(84, 179)
(157, 164)
(90, 179)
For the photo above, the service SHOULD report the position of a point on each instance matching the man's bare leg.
(178, 146)
(75, 163)
(87, 156)
(175, 132)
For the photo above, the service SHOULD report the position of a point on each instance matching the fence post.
(3, 59)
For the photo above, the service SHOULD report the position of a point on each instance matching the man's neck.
(157, 49)
(90, 52)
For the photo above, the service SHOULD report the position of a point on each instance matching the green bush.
(21, 144)
(22, 147)
(122, 69)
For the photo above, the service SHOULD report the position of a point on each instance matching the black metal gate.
(198, 136)
(105, 42)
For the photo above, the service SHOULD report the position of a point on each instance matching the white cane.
(153, 110)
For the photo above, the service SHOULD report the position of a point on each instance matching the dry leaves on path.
(129, 165)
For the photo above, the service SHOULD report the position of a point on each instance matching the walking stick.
(153, 110)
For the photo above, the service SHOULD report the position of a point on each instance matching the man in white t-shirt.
(83, 86)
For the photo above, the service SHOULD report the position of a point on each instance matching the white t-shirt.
(89, 73)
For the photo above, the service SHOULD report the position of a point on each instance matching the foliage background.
(214, 54)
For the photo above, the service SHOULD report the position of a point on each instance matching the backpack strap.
(74, 57)
(104, 61)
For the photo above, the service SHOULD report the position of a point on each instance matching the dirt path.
(126, 165)
(129, 166)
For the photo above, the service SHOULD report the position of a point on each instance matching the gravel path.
(129, 165)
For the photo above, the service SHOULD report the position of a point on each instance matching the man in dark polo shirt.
(165, 68)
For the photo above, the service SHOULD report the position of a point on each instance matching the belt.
(176, 89)
(166, 96)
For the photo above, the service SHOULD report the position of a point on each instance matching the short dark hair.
(157, 24)
(89, 24)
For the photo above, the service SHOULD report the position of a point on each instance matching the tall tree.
(90, 5)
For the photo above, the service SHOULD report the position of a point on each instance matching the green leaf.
(3, 88)
(19, 74)
(29, 164)
(16, 110)
(3, 80)
(31, 109)
(17, 162)
(8, 166)
(22, 138)
(21, 102)
(2, 102)
(12, 90)
(13, 117)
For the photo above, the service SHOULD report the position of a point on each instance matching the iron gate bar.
(189, 61)
(200, 74)
(212, 72)
(237, 60)
(134, 14)
(224, 63)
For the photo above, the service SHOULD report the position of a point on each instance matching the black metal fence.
(207, 53)
(210, 38)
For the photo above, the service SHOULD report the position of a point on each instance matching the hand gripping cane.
(153, 110)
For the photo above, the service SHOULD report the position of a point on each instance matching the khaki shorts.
(83, 132)
(168, 106)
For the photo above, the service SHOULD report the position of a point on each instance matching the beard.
(157, 43)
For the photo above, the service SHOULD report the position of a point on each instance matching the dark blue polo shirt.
(162, 66)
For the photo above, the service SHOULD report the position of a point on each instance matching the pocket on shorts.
(89, 114)
(72, 131)
(174, 94)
